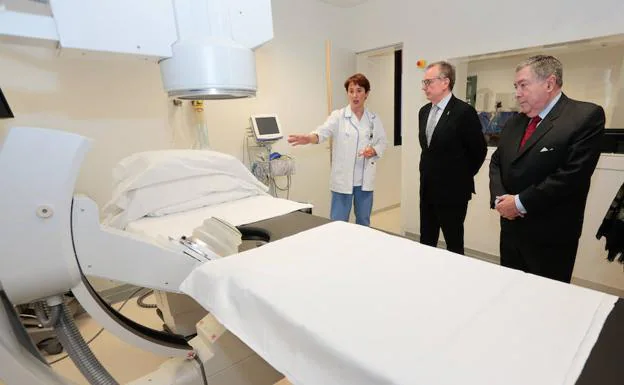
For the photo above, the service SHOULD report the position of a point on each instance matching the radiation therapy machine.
(322, 303)
(204, 48)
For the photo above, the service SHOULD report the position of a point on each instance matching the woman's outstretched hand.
(299, 139)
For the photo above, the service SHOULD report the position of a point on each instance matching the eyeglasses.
(427, 82)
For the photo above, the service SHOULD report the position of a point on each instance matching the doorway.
(383, 68)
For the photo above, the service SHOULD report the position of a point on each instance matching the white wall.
(458, 29)
(118, 104)
(379, 69)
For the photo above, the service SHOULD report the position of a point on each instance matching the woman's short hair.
(358, 79)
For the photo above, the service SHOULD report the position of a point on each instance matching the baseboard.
(598, 287)
(496, 260)
(387, 208)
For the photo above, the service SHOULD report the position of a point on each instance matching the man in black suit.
(453, 150)
(541, 171)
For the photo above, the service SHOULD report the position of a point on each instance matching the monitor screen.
(5, 110)
(266, 127)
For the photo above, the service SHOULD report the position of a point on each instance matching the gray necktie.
(431, 123)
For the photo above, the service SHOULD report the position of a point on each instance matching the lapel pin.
(448, 113)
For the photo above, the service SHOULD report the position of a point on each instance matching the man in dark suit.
(453, 150)
(541, 171)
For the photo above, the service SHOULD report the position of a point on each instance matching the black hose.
(141, 301)
(201, 368)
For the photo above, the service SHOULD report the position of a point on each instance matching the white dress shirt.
(438, 112)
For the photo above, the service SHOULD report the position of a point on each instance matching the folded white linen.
(163, 182)
(153, 167)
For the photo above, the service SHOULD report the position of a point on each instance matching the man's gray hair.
(543, 66)
(447, 71)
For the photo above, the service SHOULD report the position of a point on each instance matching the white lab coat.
(342, 125)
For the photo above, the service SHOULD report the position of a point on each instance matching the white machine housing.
(35, 204)
(39, 208)
(204, 47)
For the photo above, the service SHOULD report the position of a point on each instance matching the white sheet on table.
(345, 304)
(239, 212)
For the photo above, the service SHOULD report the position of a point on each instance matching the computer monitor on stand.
(266, 127)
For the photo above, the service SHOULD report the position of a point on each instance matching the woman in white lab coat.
(359, 140)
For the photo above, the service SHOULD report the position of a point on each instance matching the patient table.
(180, 313)
(602, 365)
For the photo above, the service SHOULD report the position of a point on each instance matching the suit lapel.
(545, 126)
(518, 133)
(439, 128)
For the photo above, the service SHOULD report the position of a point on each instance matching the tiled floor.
(388, 220)
(126, 362)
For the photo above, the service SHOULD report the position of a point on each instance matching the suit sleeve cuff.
(519, 205)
